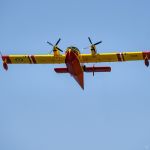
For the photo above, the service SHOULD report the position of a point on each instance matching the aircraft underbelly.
(74, 68)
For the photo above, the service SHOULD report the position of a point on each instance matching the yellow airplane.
(74, 60)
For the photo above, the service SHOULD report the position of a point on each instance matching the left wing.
(114, 57)
(33, 59)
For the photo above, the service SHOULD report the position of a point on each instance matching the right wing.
(114, 57)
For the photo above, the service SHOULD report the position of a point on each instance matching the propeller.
(54, 46)
(92, 43)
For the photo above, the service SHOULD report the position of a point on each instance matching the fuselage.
(73, 65)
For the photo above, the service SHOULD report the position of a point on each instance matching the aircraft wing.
(84, 58)
(114, 57)
(34, 59)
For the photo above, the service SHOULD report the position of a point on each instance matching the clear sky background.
(40, 109)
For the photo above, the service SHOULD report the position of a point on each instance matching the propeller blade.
(90, 40)
(57, 41)
(55, 46)
(59, 49)
(50, 43)
(97, 43)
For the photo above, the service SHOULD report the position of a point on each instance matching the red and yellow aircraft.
(74, 60)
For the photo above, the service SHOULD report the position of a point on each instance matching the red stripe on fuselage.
(74, 67)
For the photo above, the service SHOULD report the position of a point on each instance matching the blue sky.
(40, 109)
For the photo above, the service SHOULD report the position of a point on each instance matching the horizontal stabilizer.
(96, 69)
(61, 70)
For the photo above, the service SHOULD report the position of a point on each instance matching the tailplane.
(61, 70)
(96, 69)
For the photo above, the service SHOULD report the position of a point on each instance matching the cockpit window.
(76, 50)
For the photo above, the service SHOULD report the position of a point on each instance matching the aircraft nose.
(70, 56)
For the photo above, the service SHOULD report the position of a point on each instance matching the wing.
(34, 59)
(114, 57)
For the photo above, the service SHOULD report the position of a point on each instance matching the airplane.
(75, 61)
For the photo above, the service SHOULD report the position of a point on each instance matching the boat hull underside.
(74, 67)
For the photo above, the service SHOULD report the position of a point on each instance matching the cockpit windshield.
(74, 49)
